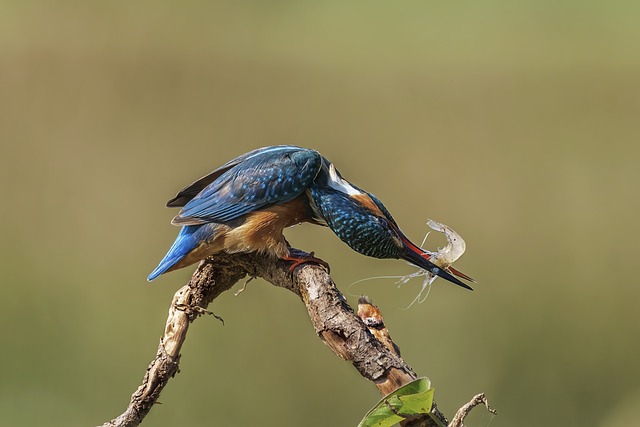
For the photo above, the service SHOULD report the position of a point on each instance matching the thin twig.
(462, 413)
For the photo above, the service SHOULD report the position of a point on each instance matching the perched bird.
(245, 205)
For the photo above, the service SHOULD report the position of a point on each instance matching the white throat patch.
(337, 183)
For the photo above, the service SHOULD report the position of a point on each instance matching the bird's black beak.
(419, 258)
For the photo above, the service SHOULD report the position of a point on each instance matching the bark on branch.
(333, 320)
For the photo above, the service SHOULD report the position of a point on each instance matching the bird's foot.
(298, 257)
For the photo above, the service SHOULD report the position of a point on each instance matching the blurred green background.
(516, 123)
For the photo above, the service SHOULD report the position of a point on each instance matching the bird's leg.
(298, 257)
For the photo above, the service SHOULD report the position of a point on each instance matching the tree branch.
(208, 281)
(333, 320)
(462, 413)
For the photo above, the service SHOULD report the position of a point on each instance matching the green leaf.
(411, 399)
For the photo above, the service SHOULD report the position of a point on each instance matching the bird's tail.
(189, 238)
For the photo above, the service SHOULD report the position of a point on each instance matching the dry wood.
(462, 413)
(333, 319)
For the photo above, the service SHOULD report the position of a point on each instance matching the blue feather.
(189, 238)
(256, 180)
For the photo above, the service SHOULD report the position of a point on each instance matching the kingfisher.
(245, 205)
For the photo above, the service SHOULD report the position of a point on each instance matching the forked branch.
(333, 320)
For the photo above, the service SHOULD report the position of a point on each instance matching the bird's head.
(382, 238)
(361, 221)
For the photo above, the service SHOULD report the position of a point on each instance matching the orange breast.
(261, 231)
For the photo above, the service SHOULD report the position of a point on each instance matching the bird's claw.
(301, 257)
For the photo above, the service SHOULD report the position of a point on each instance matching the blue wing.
(257, 179)
(189, 192)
